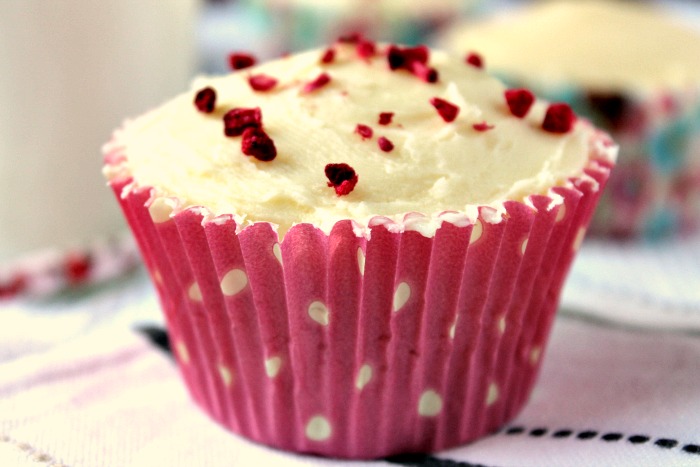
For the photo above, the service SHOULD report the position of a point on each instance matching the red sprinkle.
(237, 120)
(447, 110)
(341, 177)
(366, 49)
(474, 59)
(258, 144)
(77, 267)
(240, 60)
(424, 72)
(262, 82)
(364, 131)
(385, 118)
(519, 101)
(205, 100)
(318, 82)
(413, 59)
(559, 118)
(483, 126)
(403, 58)
(385, 144)
(328, 56)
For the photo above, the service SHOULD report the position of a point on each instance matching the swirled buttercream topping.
(412, 160)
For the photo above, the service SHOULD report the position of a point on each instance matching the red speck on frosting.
(364, 131)
(237, 120)
(474, 59)
(413, 59)
(447, 110)
(77, 267)
(385, 144)
(385, 118)
(559, 118)
(205, 100)
(318, 82)
(328, 56)
(519, 101)
(365, 49)
(483, 126)
(258, 144)
(262, 82)
(424, 72)
(341, 177)
(240, 60)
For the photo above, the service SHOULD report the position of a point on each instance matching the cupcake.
(632, 69)
(301, 24)
(358, 254)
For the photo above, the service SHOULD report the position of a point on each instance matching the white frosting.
(435, 166)
(605, 45)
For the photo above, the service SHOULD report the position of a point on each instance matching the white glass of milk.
(70, 72)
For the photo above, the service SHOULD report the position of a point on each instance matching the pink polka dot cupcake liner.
(369, 340)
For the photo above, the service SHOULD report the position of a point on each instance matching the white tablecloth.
(79, 386)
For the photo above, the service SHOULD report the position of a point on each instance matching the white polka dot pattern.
(477, 230)
(401, 295)
(363, 376)
(226, 375)
(272, 366)
(233, 282)
(318, 428)
(561, 213)
(535, 355)
(182, 352)
(523, 247)
(277, 251)
(453, 328)
(319, 313)
(361, 260)
(430, 404)
(502, 325)
(579, 238)
(492, 395)
(194, 292)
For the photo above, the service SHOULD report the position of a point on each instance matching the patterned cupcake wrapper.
(654, 192)
(365, 341)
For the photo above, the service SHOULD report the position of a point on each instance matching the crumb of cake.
(385, 118)
(447, 110)
(559, 118)
(205, 100)
(364, 131)
(483, 126)
(237, 120)
(474, 59)
(317, 83)
(341, 177)
(328, 56)
(258, 144)
(385, 144)
(365, 49)
(262, 82)
(240, 60)
(519, 101)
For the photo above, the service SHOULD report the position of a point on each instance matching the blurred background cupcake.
(632, 68)
(271, 28)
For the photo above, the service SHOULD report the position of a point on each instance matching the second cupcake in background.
(632, 69)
